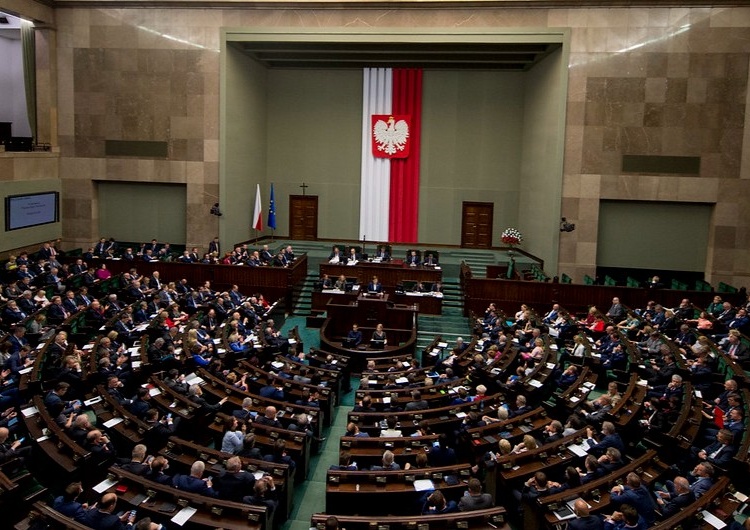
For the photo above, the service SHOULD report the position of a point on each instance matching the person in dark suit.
(719, 453)
(375, 286)
(194, 482)
(160, 430)
(430, 261)
(442, 455)
(635, 494)
(584, 520)
(416, 403)
(382, 254)
(67, 503)
(157, 473)
(412, 260)
(137, 463)
(473, 498)
(672, 502)
(354, 337)
(609, 439)
(435, 503)
(353, 257)
(268, 418)
(102, 518)
(234, 483)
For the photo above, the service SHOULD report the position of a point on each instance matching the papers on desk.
(435, 351)
(85, 347)
(183, 515)
(574, 399)
(136, 364)
(42, 344)
(104, 485)
(193, 379)
(292, 341)
(424, 484)
(402, 381)
(92, 401)
(134, 352)
(535, 383)
(642, 382)
(42, 438)
(258, 475)
(698, 393)
(277, 364)
(141, 327)
(437, 268)
(111, 423)
(460, 415)
(386, 400)
(29, 411)
(553, 347)
(551, 366)
(220, 350)
(26, 370)
(442, 344)
(154, 391)
(578, 449)
(406, 364)
(713, 520)
(589, 385)
(217, 341)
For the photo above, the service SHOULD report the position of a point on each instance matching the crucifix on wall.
(304, 188)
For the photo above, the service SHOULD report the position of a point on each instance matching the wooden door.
(303, 217)
(476, 224)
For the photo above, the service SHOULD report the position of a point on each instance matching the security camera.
(565, 226)
(215, 210)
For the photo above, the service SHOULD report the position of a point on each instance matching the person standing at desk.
(340, 284)
(412, 259)
(379, 334)
(354, 337)
(375, 286)
(353, 257)
(382, 254)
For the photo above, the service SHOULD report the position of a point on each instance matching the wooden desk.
(272, 282)
(428, 304)
(390, 274)
(400, 324)
(489, 519)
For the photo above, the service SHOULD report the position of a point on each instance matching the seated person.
(379, 334)
(387, 464)
(634, 493)
(326, 282)
(375, 286)
(382, 254)
(473, 498)
(437, 504)
(354, 337)
(412, 259)
(353, 257)
(340, 284)
(194, 482)
(430, 261)
(335, 257)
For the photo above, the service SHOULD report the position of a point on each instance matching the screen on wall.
(23, 211)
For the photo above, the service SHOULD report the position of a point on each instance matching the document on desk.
(578, 449)
(111, 423)
(423, 485)
(183, 515)
(713, 520)
(104, 485)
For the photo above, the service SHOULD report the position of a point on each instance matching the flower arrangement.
(511, 236)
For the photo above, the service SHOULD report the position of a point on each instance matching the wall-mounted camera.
(215, 210)
(565, 226)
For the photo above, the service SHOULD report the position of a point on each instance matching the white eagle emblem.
(391, 135)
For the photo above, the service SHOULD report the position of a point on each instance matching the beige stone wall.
(642, 81)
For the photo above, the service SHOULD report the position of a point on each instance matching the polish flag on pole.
(258, 213)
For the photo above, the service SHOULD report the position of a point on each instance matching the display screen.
(23, 211)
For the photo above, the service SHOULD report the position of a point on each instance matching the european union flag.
(272, 212)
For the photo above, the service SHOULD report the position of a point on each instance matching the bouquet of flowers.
(511, 236)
